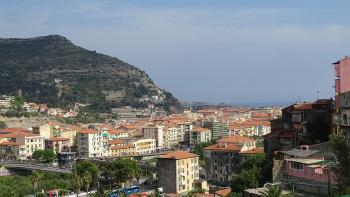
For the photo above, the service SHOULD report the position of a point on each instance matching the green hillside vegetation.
(52, 70)
(18, 186)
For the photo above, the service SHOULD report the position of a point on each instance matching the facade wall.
(318, 175)
(177, 175)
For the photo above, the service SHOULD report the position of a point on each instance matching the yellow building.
(145, 146)
(177, 172)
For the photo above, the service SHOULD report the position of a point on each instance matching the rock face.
(52, 70)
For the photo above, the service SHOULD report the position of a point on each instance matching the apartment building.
(21, 144)
(199, 135)
(177, 172)
(154, 132)
(145, 146)
(120, 148)
(89, 143)
(172, 135)
(222, 159)
(341, 117)
(58, 144)
(219, 129)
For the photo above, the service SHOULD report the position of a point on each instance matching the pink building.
(306, 164)
(342, 77)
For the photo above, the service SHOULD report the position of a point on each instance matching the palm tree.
(76, 183)
(273, 191)
(87, 180)
(35, 180)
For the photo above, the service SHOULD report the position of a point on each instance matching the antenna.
(317, 92)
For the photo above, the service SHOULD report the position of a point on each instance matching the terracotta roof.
(235, 139)
(10, 143)
(55, 139)
(223, 192)
(88, 131)
(118, 141)
(223, 147)
(16, 134)
(303, 106)
(178, 155)
(200, 129)
(9, 130)
(122, 147)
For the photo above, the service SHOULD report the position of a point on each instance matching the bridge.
(34, 166)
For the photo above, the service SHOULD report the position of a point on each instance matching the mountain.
(52, 70)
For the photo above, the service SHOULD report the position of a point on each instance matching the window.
(296, 166)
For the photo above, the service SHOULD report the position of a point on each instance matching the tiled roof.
(223, 192)
(89, 131)
(225, 147)
(118, 141)
(235, 139)
(16, 134)
(9, 130)
(122, 147)
(10, 143)
(200, 129)
(178, 155)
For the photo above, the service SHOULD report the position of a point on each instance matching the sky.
(204, 50)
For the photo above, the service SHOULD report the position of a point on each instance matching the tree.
(87, 166)
(17, 104)
(125, 169)
(48, 156)
(76, 182)
(273, 191)
(35, 180)
(38, 155)
(86, 180)
(107, 172)
(249, 173)
(2, 125)
(341, 148)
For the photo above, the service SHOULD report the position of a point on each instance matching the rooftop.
(178, 155)
(235, 139)
(305, 161)
(89, 131)
(200, 129)
(300, 153)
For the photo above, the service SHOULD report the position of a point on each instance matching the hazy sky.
(216, 51)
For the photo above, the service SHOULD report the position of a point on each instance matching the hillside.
(52, 70)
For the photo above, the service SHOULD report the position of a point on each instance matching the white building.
(199, 135)
(90, 144)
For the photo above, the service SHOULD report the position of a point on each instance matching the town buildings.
(21, 145)
(58, 144)
(341, 118)
(199, 135)
(177, 172)
(89, 142)
(222, 159)
(306, 168)
(154, 132)
(218, 128)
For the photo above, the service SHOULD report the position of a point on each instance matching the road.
(32, 166)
